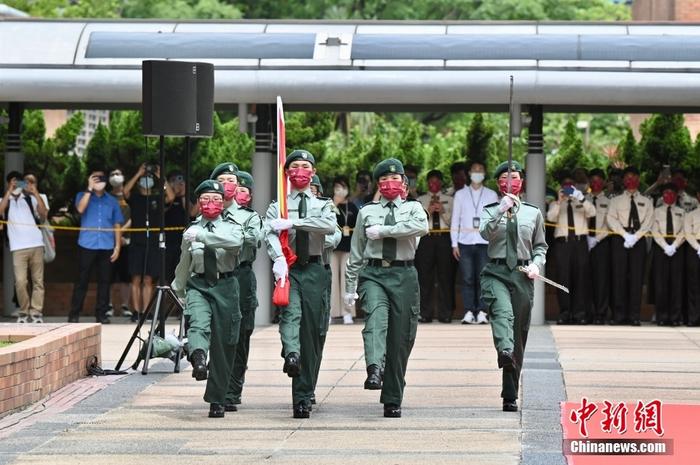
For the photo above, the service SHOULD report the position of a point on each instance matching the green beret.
(388, 166)
(299, 155)
(209, 186)
(503, 167)
(245, 179)
(224, 168)
(316, 181)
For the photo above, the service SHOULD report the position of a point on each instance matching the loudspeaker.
(177, 98)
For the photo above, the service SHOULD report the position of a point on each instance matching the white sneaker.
(22, 319)
(36, 319)
(481, 318)
(125, 311)
(468, 319)
(15, 314)
(347, 319)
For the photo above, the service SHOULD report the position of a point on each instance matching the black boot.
(374, 378)
(216, 410)
(506, 360)
(230, 407)
(198, 359)
(392, 411)
(510, 405)
(292, 365)
(301, 410)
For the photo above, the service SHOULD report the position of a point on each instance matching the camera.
(568, 190)
(150, 168)
(22, 184)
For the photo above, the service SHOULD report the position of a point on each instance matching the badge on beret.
(392, 168)
(304, 155)
(230, 168)
(216, 185)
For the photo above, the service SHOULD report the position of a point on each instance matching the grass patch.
(4, 344)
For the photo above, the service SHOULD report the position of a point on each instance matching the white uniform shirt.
(466, 213)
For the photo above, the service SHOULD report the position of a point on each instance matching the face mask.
(391, 188)
(242, 198)
(116, 180)
(340, 191)
(434, 186)
(515, 186)
(477, 178)
(229, 190)
(211, 210)
(670, 197)
(680, 184)
(597, 185)
(146, 182)
(100, 186)
(300, 177)
(631, 184)
(17, 191)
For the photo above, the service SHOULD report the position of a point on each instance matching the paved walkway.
(451, 410)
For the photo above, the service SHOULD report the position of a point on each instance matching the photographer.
(175, 217)
(144, 264)
(22, 205)
(98, 210)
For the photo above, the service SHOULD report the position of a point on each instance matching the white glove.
(506, 204)
(670, 250)
(577, 194)
(698, 252)
(592, 242)
(191, 234)
(281, 224)
(280, 269)
(373, 232)
(630, 240)
(532, 270)
(350, 298)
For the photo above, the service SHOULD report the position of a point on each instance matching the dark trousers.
(434, 261)
(668, 283)
(627, 279)
(87, 258)
(599, 259)
(571, 257)
(472, 260)
(692, 271)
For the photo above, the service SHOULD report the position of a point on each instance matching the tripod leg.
(156, 310)
(178, 354)
(134, 336)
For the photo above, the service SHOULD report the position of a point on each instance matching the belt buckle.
(217, 275)
(386, 263)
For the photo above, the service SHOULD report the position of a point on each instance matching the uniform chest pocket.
(314, 211)
(525, 229)
(373, 220)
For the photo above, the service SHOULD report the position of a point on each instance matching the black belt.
(438, 233)
(569, 239)
(378, 262)
(631, 230)
(502, 261)
(219, 275)
(312, 259)
(245, 265)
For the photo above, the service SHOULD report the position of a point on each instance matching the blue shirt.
(102, 212)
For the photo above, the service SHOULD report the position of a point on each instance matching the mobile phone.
(666, 172)
(568, 190)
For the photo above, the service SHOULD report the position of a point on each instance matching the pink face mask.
(243, 198)
(212, 209)
(434, 186)
(299, 177)
(670, 197)
(631, 183)
(516, 186)
(597, 185)
(390, 189)
(229, 190)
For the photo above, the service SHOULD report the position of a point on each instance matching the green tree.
(665, 141)
(570, 152)
(627, 150)
(176, 9)
(68, 9)
(226, 144)
(478, 139)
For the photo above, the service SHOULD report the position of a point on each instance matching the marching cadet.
(434, 255)
(599, 247)
(303, 323)
(691, 229)
(515, 231)
(571, 212)
(380, 268)
(238, 210)
(630, 217)
(205, 278)
(668, 261)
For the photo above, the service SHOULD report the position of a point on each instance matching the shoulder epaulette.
(323, 198)
(530, 205)
(491, 205)
(373, 202)
(412, 200)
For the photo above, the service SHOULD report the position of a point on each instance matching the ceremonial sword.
(546, 280)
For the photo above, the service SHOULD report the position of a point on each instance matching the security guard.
(630, 217)
(205, 278)
(668, 259)
(515, 231)
(599, 247)
(238, 210)
(304, 321)
(380, 269)
(571, 212)
(691, 230)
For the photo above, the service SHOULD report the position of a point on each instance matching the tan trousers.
(27, 261)
(338, 263)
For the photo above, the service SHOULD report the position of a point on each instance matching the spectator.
(144, 262)
(468, 247)
(363, 188)
(175, 217)
(684, 200)
(346, 215)
(412, 177)
(24, 207)
(97, 209)
(120, 268)
(615, 184)
(458, 172)
(433, 255)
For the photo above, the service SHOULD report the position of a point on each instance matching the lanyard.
(478, 202)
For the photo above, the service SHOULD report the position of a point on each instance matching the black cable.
(94, 369)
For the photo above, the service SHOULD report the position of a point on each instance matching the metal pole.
(14, 161)
(536, 187)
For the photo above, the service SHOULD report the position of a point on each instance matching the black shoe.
(230, 407)
(313, 400)
(292, 365)
(662, 323)
(216, 410)
(198, 359)
(374, 378)
(422, 319)
(134, 317)
(392, 411)
(301, 410)
(445, 320)
(598, 322)
(510, 405)
(103, 320)
(582, 322)
(636, 323)
(693, 324)
(73, 319)
(275, 319)
(506, 360)
(561, 321)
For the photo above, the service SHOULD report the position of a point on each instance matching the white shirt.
(446, 215)
(466, 213)
(22, 231)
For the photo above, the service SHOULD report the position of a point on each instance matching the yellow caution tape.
(81, 228)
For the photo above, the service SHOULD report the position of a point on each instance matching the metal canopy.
(405, 66)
